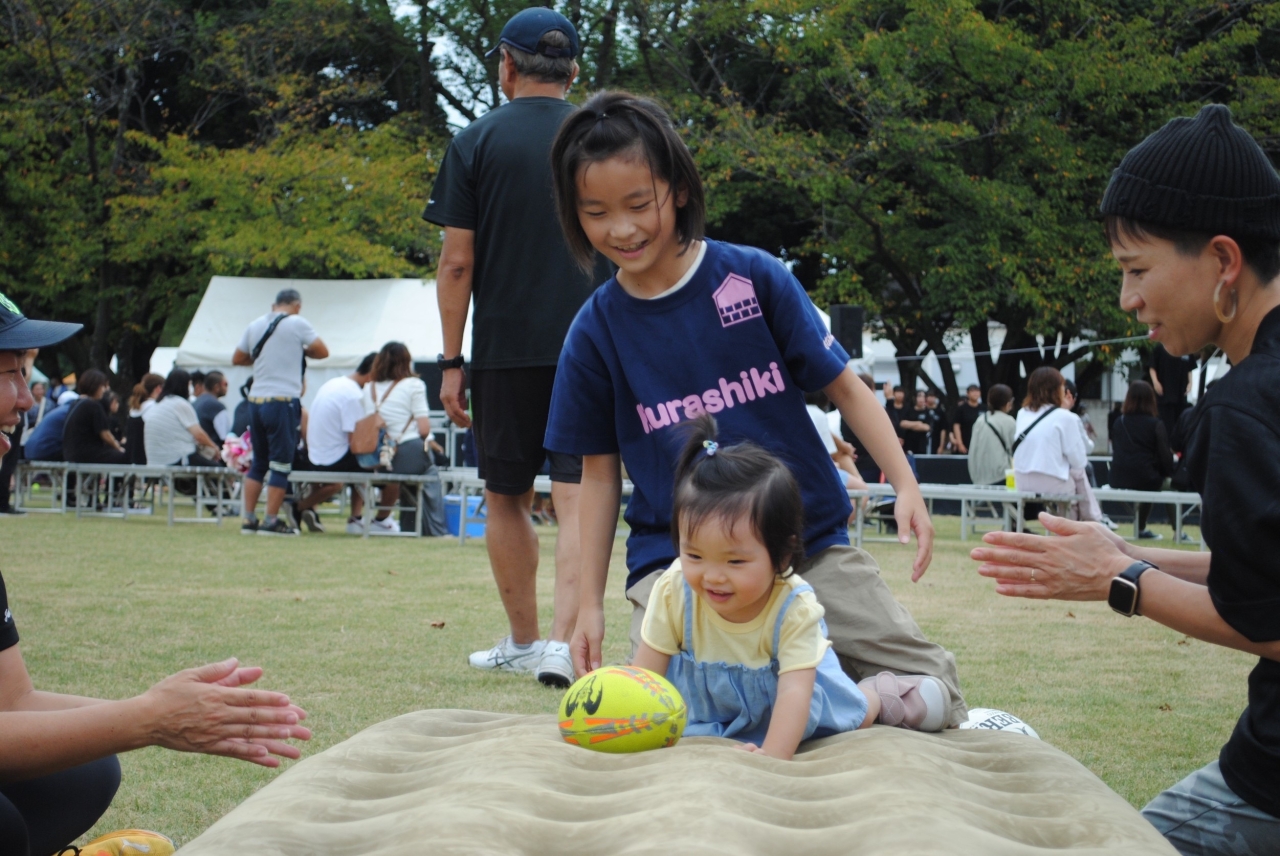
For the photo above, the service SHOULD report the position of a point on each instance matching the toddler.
(739, 633)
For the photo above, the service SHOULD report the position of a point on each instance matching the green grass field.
(345, 627)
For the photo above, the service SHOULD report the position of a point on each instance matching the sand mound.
(454, 781)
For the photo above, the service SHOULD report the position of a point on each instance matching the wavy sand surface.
(470, 782)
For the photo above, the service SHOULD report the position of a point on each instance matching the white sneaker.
(506, 656)
(1110, 524)
(389, 526)
(355, 527)
(555, 669)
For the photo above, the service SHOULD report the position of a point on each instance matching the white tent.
(353, 317)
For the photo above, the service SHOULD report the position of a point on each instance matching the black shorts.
(510, 409)
(346, 464)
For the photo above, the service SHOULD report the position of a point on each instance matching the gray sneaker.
(506, 656)
(555, 669)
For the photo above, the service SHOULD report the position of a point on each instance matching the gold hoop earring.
(1235, 303)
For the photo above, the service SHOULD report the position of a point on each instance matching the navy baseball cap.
(19, 333)
(526, 29)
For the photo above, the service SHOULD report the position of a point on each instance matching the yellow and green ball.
(622, 709)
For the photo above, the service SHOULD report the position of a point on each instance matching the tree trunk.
(980, 338)
(100, 347)
(608, 39)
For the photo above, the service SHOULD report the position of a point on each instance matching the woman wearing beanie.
(1193, 218)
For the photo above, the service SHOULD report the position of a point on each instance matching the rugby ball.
(997, 720)
(622, 709)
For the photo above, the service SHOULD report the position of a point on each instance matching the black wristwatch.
(1125, 592)
(451, 363)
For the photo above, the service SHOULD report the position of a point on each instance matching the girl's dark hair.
(1043, 387)
(177, 383)
(998, 396)
(1260, 254)
(736, 481)
(619, 124)
(393, 362)
(1141, 398)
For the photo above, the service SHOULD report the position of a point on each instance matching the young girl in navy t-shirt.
(690, 326)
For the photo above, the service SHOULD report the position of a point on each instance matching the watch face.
(1123, 597)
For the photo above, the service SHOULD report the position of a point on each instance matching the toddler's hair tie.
(711, 446)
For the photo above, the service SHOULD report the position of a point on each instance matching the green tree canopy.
(947, 157)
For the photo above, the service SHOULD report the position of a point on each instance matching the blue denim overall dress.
(733, 700)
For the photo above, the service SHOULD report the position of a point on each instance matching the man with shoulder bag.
(276, 345)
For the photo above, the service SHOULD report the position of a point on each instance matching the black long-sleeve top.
(1140, 456)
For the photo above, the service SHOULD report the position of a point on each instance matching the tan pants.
(869, 630)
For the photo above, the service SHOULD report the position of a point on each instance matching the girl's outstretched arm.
(598, 503)
(861, 412)
(790, 714)
(654, 661)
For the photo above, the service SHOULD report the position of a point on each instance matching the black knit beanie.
(1200, 175)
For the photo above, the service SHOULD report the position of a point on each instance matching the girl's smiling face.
(726, 565)
(629, 216)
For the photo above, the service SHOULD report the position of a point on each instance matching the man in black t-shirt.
(87, 437)
(913, 434)
(939, 427)
(915, 425)
(968, 412)
(504, 253)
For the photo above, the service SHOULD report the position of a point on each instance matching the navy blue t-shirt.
(45, 442)
(740, 340)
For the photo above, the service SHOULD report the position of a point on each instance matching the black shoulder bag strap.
(271, 328)
(1018, 440)
(986, 417)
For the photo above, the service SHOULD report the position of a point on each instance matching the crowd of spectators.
(181, 420)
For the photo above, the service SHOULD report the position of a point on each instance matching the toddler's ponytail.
(730, 482)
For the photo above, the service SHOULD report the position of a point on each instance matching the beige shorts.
(870, 631)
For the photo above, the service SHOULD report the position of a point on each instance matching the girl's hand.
(588, 636)
(752, 748)
(912, 515)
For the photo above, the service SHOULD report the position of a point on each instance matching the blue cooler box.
(475, 515)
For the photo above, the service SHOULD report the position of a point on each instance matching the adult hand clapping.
(1077, 565)
(209, 710)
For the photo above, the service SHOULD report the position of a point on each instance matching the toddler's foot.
(918, 702)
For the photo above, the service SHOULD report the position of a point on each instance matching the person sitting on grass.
(739, 633)
(58, 770)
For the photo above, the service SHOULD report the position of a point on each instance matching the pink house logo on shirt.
(736, 300)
